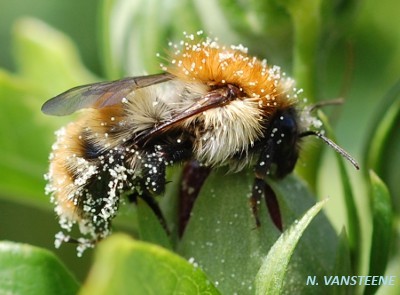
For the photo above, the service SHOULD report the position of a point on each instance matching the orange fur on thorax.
(212, 64)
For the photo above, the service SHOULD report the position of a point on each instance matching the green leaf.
(24, 153)
(306, 18)
(382, 229)
(342, 261)
(222, 238)
(271, 276)
(353, 221)
(47, 58)
(343, 264)
(255, 19)
(307, 26)
(126, 266)
(383, 143)
(382, 136)
(29, 270)
(392, 270)
(169, 202)
(48, 63)
(221, 235)
(134, 32)
(150, 228)
(316, 252)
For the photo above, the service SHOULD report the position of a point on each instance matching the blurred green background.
(358, 58)
(30, 219)
(77, 19)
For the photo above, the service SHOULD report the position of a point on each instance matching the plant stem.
(306, 18)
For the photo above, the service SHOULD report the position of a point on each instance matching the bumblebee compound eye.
(279, 146)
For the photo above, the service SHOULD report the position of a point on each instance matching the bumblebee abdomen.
(86, 179)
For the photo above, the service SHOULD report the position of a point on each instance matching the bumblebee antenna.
(323, 103)
(333, 145)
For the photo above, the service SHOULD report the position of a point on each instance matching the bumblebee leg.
(261, 189)
(192, 180)
(153, 204)
(255, 198)
(273, 206)
(152, 183)
(153, 174)
(261, 169)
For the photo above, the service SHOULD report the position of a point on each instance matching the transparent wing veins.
(99, 95)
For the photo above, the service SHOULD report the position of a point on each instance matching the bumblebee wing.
(213, 99)
(99, 95)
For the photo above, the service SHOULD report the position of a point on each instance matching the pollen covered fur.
(86, 177)
(214, 64)
(214, 104)
(237, 125)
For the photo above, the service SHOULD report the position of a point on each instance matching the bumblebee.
(214, 104)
